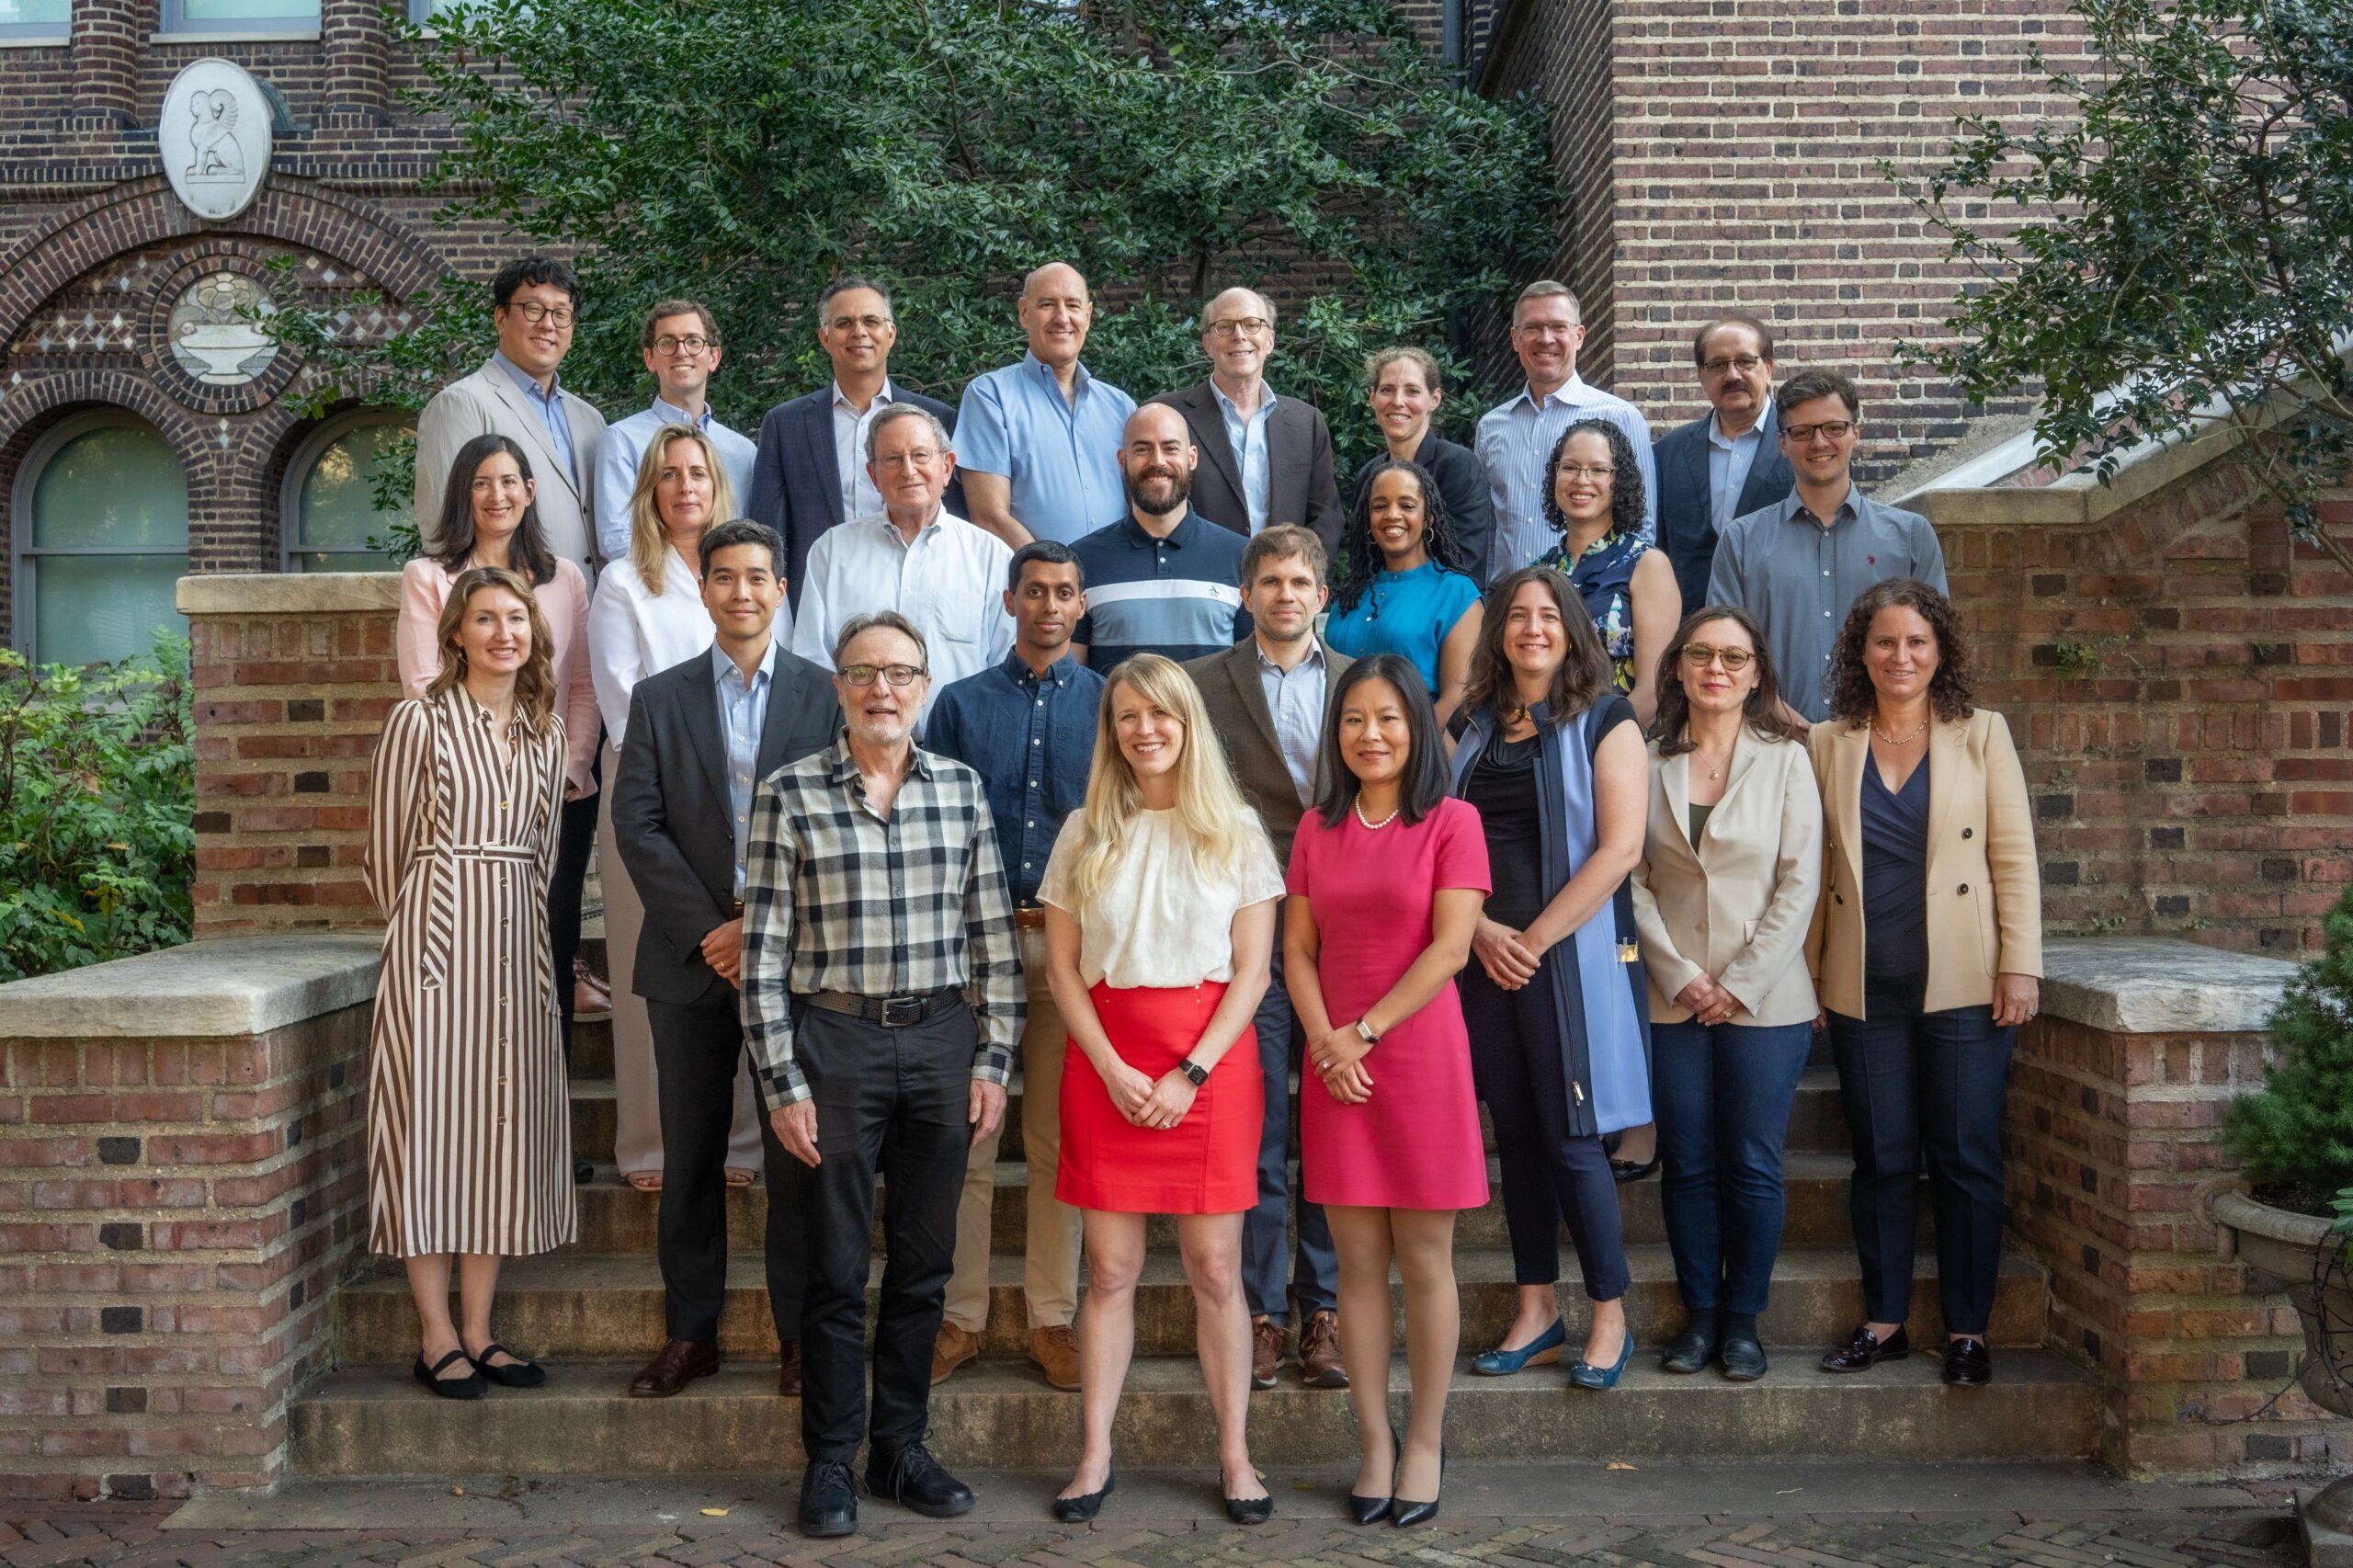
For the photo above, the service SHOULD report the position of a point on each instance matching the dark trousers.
(576, 837)
(1932, 1083)
(1516, 1043)
(1314, 1265)
(893, 1102)
(1721, 1095)
(698, 1050)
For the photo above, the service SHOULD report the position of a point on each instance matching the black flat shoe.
(913, 1480)
(1249, 1510)
(1743, 1358)
(1405, 1514)
(828, 1499)
(471, 1387)
(1372, 1510)
(1968, 1364)
(518, 1374)
(1865, 1350)
(1082, 1508)
(1627, 1170)
(1695, 1347)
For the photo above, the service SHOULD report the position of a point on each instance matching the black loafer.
(913, 1480)
(1743, 1358)
(473, 1386)
(518, 1373)
(1082, 1508)
(1968, 1364)
(1866, 1350)
(828, 1499)
(1694, 1347)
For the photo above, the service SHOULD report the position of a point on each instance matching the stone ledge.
(289, 593)
(227, 986)
(2149, 985)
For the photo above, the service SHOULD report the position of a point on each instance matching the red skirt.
(1207, 1163)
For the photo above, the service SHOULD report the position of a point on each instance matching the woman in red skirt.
(1159, 901)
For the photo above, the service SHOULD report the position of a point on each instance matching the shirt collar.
(1178, 537)
(845, 770)
(882, 521)
(1314, 656)
(1059, 672)
(1756, 432)
(671, 413)
(841, 398)
(1078, 380)
(1852, 507)
(1265, 401)
(523, 381)
(722, 665)
(1569, 393)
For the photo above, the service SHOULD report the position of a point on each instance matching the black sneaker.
(912, 1479)
(828, 1499)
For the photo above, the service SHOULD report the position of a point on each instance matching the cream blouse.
(1159, 922)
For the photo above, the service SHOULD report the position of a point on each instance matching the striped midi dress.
(468, 1131)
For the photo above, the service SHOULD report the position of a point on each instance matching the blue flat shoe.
(1541, 1351)
(1586, 1375)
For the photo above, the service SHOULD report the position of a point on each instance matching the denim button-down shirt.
(1031, 739)
(743, 720)
(1248, 437)
(549, 403)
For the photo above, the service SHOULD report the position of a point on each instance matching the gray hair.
(1548, 289)
(858, 626)
(907, 411)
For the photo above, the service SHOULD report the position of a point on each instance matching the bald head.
(1056, 311)
(1157, 458)
(1238, 336)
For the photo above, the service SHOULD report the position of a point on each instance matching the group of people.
(1569, 774)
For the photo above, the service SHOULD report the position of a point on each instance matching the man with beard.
(1163, 579)
(882, 1024)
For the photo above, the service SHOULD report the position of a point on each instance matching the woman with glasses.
(1404, 389)
(1732, 860)
(1405, 585)
(1593, 494)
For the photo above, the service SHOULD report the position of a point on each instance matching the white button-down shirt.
(859, 498)
(1729, 459)
(633, 633)
(1516, 440)
(949, 582)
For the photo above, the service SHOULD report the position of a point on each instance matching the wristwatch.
(1198, 1074)
(1364, 1033)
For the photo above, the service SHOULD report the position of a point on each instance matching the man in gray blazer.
(534, 303)
(701, 736)
(1265, 459)
(1268, 699)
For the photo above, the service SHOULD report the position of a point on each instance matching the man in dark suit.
(1265, 459)
(1727, 463)
(1268, 699)
(811, 472)
(701, 735)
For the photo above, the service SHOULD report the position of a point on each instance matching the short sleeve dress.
(1415, 1143)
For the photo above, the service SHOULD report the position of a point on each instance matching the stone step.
(372, 1420)
(571, 1305)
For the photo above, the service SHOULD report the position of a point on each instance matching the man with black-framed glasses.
(1727, 462)
(1798, 565)
(681, 349)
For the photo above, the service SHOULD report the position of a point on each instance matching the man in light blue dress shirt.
(681, 347)
(1516, 439)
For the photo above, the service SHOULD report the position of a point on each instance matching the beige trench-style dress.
(469, 1132)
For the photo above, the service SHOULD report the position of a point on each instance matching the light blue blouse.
(1404, 613)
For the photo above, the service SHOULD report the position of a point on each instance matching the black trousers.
(893, 1102)
(1915, 1082)
(697, 1051)
(576, 837)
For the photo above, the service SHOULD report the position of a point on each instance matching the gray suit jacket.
(1299, 485)
(1236, 704)
(488, 402)
(670, 809)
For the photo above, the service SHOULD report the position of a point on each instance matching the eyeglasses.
(1744, 363)
(873, 325)
(1698, 655)
(1253, 325)
(897, 674)
(693, 343)
(1585, 470)
(921, 457)
(1835, 429)
(535, 312)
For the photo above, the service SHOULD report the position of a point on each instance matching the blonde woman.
(648, 616)
(1161, 897)
(468, 1135)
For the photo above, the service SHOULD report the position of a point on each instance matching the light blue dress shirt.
(1063, 457)
(550, 404)
(623, 448)
(1247, 439)
(1295, 697)
(743, 720)
(1729, 459)
(1517, 438)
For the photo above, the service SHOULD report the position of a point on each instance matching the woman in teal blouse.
(1403, 585)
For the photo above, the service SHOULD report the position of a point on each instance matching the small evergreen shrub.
(2294, 1136)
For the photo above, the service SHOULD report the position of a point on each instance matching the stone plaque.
(212, 334)
(214, 138)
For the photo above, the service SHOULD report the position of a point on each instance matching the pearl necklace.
(1908, 739)
(1369, 823)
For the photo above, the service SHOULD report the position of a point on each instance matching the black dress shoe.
(1866, 1350)
(1743, 1358)
(913, 1480)
(1372, 1510)
(1250, 1510)
(519, 1372)
(473, 1386)
(828, 1499)
(1078, 1510)
(1967, 1363)
(1695, 1347)
(1405, 1514)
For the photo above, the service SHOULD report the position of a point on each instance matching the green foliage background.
(2294, 1136)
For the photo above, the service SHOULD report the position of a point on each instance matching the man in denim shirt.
(1027, 727)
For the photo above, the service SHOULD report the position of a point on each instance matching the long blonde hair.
(1209, 803)
(648, 539)
(535, 682)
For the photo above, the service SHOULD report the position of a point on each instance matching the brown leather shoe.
(681, 1361)
(788, 1370)
(1319, 1351)
(1265, 1351)
(951, 1349)
(1865, 1350)
(1055, 1352)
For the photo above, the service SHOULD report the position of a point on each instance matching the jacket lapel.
(1944, 766)
(1849, 744)
(702, 726)
(1695, 471)
(1675, 777)
(1769, 471)
(817, 438)
(1744, 758)
(1209, 433)
(545, 459)
(1240, 667)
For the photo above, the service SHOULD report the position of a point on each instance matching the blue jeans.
(1722, 1095)
(1315, 1267)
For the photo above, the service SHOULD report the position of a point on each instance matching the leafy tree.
(2186, 252)
(745, 151)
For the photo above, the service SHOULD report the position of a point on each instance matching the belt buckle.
(899, 1012)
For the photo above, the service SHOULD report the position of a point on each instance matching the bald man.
(1265, 459)
(1038, 441)
(1163, 579)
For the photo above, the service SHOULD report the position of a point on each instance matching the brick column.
(106, 41)
(359, 58)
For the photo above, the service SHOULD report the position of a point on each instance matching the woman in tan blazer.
(1928, 949)
(1732, 860)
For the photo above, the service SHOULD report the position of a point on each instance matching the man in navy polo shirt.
(1163, 579)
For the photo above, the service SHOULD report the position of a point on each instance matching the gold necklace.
(1369, 823)
(1908, 739)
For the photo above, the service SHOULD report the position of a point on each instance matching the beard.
(1161, 491)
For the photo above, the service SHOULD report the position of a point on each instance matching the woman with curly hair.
(1405, 586)
(1926, 950)
(1593, 494)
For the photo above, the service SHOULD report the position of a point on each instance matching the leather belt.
(1029, 917)
(891, 1012)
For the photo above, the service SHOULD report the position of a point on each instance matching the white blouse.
(633, 633)
(1159, 922)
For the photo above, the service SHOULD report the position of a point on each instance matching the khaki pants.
(1049, 1268)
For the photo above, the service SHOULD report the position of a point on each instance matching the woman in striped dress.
(469, 1135)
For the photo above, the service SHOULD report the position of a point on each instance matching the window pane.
(116, 486)
(102, 607)
(335, 508)
(48, 16)
(217, 11)
(339, 561)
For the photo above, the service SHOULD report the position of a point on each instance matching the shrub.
(2294, 1136)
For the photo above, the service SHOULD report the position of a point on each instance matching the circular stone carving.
(211, 333)
(215, 137)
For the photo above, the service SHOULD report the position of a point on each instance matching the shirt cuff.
(993, 1065)
(783, 1085)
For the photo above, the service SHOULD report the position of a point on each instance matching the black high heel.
(1405, 1514)
(1372, 1510)
(1083, 1508)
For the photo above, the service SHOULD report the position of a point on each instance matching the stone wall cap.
(2151, 985)
(227, 985)
(289, 593)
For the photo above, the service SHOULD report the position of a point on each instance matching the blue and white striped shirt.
(1515, 440)
(1180, 596)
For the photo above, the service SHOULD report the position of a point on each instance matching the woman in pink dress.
(1387, 879)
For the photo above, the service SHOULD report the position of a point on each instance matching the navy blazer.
(797, 480)
(1462, 486)
(1687, 528)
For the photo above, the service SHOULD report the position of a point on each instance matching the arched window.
(101, 537)
(327, 512)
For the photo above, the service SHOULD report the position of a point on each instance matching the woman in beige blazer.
(1928, 949)
(1732, 860)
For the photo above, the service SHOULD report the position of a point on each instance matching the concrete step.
(372, 1419)
(572, 1305)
